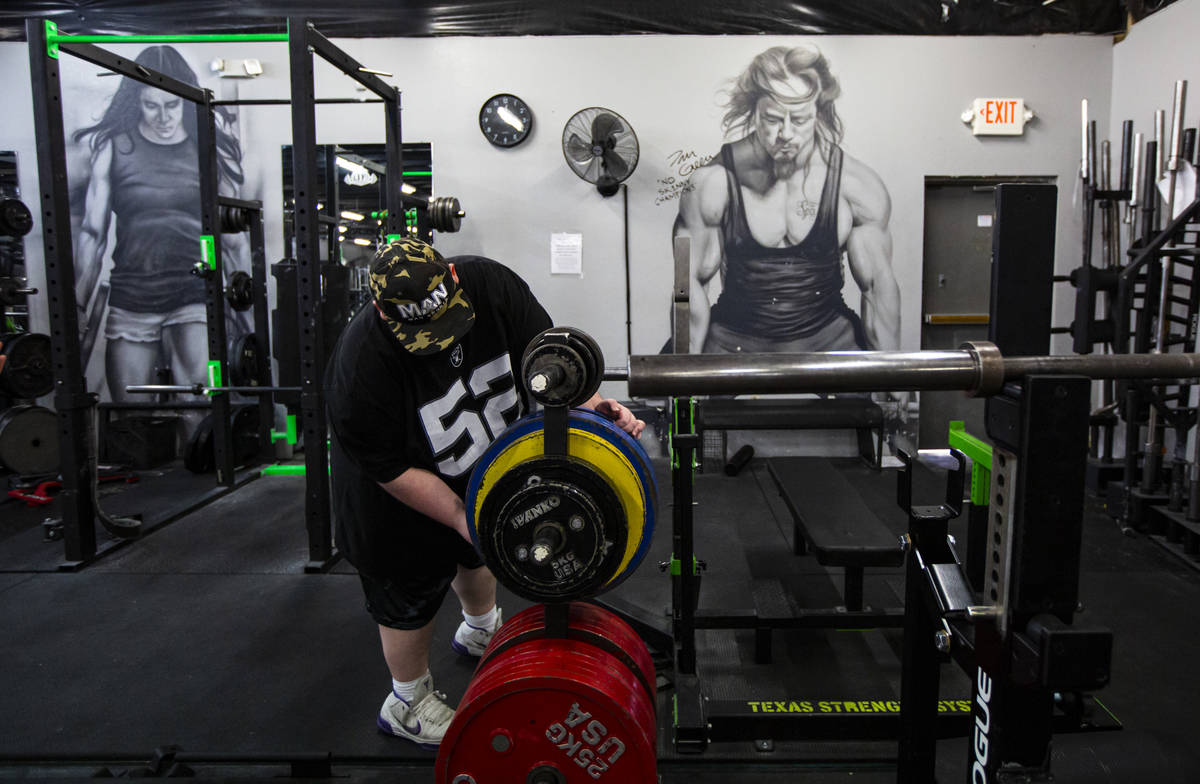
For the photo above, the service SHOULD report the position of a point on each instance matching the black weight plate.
(244, 422)
(29, 440)
(589, 349)
(553, 490)
(550, 357)
(234, 220)
(15, 218)
(198, 455)
(578, 350)
(28, 372)
(240, 292)
(453, 222)
(437, 214)
(243, 361)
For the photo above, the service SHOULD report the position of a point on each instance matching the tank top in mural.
(781, 293)
(156, 200)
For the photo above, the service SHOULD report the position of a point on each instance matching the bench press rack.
(1030, 664)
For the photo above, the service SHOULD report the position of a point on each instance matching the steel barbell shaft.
(979, 369)
(200, 389)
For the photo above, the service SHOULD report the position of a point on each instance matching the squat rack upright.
(72, 401)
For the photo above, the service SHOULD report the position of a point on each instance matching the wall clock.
(505, 120)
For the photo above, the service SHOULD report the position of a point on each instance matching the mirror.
(350, 179)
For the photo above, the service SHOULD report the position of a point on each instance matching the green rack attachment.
(280, 469)
(214, 377)
(691, 420)
(208, 250)
(980, 453)
(288, 433)
(283, 469)
(54, 38)
(675, 566)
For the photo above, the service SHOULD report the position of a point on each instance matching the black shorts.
(408, 596)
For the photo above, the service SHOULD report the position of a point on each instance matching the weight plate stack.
(554, 528)
(554, 709)
(199, 456)
(570, 363)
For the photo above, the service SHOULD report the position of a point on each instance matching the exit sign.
(997, 116)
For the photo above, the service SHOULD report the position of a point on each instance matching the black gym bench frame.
(73, 403)
(1029, 666)
(1016, 677)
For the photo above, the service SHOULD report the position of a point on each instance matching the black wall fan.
(601, 147)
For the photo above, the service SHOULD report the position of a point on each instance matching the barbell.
(203, 389)
(13, 291)
(445, 212)
(977, 368)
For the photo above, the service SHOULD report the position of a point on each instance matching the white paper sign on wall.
(998, 116)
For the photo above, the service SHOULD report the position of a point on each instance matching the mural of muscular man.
(775, 210)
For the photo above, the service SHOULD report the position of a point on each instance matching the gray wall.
(901, 101)
(1158, 51)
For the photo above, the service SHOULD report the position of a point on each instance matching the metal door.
(955, 291)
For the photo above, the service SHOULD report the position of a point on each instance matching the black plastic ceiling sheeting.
(379, 18)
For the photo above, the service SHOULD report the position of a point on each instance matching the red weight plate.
(554, 703)
(587, 623)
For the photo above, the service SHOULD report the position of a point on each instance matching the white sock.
(485, 621)
(406, 690)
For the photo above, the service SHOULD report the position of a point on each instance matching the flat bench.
(858, 413)
(830, 519)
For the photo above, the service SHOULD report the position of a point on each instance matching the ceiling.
(378, 18)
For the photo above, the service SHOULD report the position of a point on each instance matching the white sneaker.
(473, 641)
(424, 721)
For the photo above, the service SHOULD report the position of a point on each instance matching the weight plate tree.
(558, 527)
(556, 709)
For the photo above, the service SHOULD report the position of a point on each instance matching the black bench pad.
(839, 528)
(789, 414)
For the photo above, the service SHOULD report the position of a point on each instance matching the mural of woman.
(144, 174)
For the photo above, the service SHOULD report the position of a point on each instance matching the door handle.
(956, 318)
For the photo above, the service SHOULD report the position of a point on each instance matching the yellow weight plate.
(601, 456)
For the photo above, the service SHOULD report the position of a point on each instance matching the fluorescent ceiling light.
(350, 166)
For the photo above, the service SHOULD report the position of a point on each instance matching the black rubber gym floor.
(208, 636)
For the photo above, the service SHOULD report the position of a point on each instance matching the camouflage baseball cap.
(418, 294)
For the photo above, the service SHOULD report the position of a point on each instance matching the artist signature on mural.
(682, 163)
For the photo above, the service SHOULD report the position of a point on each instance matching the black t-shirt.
(390, 410)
